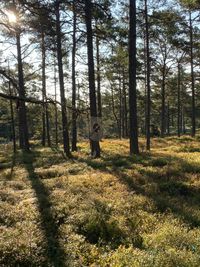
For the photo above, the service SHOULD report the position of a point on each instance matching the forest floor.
(114, 211)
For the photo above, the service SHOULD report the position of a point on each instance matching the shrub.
(159, 162)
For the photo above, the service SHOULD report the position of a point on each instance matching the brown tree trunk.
(134, 148)
(12, 120)
(23, 126)
(45, 113)
(74, 126)
(120, 109)
(61, 82)
(43, 90)
(178, 101)
(56, 109)
(98, 79)
(95, 147)
(125, 127)
(148, 98)
(163, 106)
(192, 79)
(183, 120)
(114, 112)
(168, 119)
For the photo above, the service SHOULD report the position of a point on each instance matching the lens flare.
(11, 17)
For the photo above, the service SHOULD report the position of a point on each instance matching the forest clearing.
(114, 211)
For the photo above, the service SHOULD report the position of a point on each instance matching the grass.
(114, 211)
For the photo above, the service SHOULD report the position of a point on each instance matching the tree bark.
(125, 117)
(56, 109)
(134, 148)
(43, 89)
(168, 119)
(98, 78)
(23, 126)
(95, 147)
(114, 112)
(148, 87)
(12, 120)
(120, 109)
(179, 101)
(74, 126)
(163, 107)
(46, 128)
(192, 79)
(61, 82)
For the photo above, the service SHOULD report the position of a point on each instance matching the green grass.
(113, 211)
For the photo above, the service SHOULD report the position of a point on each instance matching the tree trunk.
(56, 109)
(168, 119)
(12, 120)
(43, 90)
(125, 117)
(23, 126)
(95, 147)
(192, 79)
(134, 148)
(163, 108)
(148, 69)
(61, 82)
(98, 79)
(178, 101)
(74, 125)
(120, 109)
(45, 113)
(183, 120)
(114, 112)
(47, 125)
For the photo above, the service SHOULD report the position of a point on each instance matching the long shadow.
(164, 199)
(55, 252)
(169, 193)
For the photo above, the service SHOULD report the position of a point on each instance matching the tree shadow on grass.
(172, 196)
(55, 253)
(169, 191)
(114, 161)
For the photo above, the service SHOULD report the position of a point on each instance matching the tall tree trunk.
(45, 113)
(61, 82)
(23, 126)
(47, 125)
(168, 119)
(120, 109)
(74, 125)
(56, 109)
(95, 147)
(125, 117)
(148, 69)
(192, 79)
(98, 78)
(163, 106)
(12, 120)
(179, 101)
(114, 112)
(12, 114)
(43, 90)
(134, 148)
(183, 120)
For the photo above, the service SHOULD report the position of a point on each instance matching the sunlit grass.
(118, 210)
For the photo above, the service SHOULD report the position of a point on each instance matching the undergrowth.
(119, 210)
